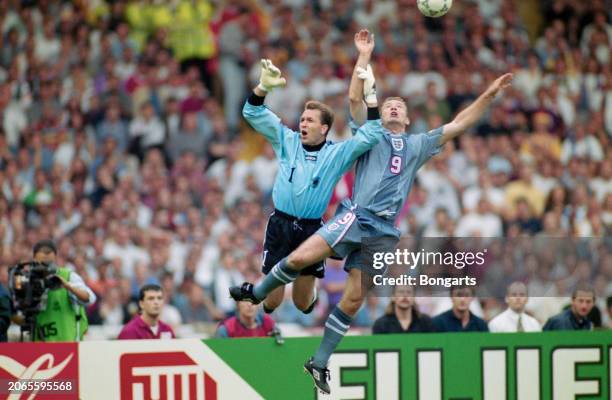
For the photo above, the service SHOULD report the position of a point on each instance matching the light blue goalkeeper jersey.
(306, 179)
(385, 174)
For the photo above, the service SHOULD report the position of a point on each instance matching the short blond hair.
(401, 100)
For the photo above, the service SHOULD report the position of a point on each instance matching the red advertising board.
(41, 371)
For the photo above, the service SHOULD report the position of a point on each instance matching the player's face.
(152, 303)
(582, 303)
(517, 298)
(395, 112)
(312, 131)
(403, 297)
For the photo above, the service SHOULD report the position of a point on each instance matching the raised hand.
(500, 84)
(369, 84)
(270, 76)
(364, 42)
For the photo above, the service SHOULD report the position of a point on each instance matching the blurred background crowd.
(122, 137)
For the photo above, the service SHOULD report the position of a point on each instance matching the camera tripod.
(28, 326)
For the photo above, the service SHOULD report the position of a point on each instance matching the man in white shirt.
(581, 145)
(514, 318)
(146, 130)
(481, 222)
(120, 246)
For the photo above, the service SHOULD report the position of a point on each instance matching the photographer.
(64, 318)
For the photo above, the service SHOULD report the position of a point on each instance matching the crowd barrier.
(476, 366)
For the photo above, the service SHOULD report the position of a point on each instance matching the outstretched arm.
(369, 133)
(471, 114)
(259, 117)
(364, 42)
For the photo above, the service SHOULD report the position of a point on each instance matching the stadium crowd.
(122, 138)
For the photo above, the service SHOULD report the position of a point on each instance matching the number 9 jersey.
(384, 177)
(385, 174)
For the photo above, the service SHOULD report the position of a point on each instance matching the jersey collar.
(315, 147)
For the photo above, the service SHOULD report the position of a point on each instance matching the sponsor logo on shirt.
(310, 157)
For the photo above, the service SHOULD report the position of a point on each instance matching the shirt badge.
(332, 227)
(398, 143)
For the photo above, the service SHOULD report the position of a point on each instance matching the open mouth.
(304, 133)
(394, 114)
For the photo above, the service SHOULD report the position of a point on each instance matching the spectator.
(440, 226)
(524, 188)
(288, 313)
(369, 312)
(5, 306)
(111, 311)
(579, 145)
(119, 246)
(226, 275)
(146, 131)
(170, 311)
(514, 319)
(459, 318)
(485, 190)
(609, 311)
(333, 283)
(480, 222)
(246, 323)
(199, 307)
(113, 126)
(147, 324)
(524, 218)
(576, 317)
(193, 136)
(401, 315)
(264, 169)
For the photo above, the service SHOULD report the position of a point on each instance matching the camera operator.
(64, 317)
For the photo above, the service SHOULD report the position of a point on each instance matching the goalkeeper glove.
(270, 77)
(369, 84)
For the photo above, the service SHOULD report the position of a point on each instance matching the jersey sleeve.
(268, 124)
(354, 126)
(77, 282)
(366, 137)
(430, 145)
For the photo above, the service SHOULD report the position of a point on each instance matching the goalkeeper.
(310, 166)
